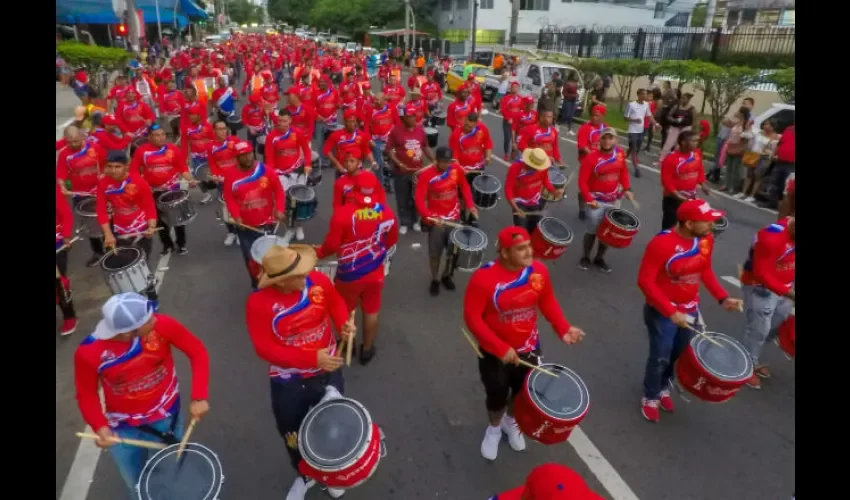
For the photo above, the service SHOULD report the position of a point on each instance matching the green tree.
(96, 59)
(243, 11)
(293, 12)
(723, 86)
(626, 71)
(784, 79)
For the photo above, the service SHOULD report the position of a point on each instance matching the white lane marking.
(81, 474)
(600, 467)
(731, 280)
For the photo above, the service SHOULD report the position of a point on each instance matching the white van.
(781, 114)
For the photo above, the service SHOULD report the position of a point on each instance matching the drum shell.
(559, 184)
(328, 268)
(353, 474)
(787, 335)
(538, 425)
(467, 259)
(544, 247)
(301, 210)
(438, 119)
(234, 122)
(129, 278)
(614, 235)
(169, 454)
(484, 200)
(703, 384)
(720, 226)
(433, 136)
(88, 218)
(178, 212)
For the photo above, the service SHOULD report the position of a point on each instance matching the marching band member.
(288, 156)
(603, 179)
(345, 188)
(224, 99)
(289, 320)
(459, 108)
(474, 92)
(349, 91)
(431, 92)
(767, 282)
(524, 119)
(326, 104)
(416, 102)
(254, 198)
(255, 118)
(162, 165)
(682, 172)
(81, 162)
(108, 132)
(673, 264)
(394, 92)
(587, 140)
(473, 148)
(407, 146)
(64, 234)
(500, 309)
(551, 482)
(348, 140)
(135, 114)
(361, 232)
(525, 180)
(511, 107)
(221, 158)
(303, 116)
(117, 92)
(437, 201)
(171, 102)
(379, 121)
(269, 91)
(543, 135)
(195, 139)
(129, 356)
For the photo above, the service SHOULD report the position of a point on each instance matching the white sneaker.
(402, 230)
(299, 233)
(229, 239)
(335, 493)
(417, 227)
(571, 132)
(750, 199)
(299, 488)
(288, 235)
(740, 196)
(511, 429)
(490, 444)
(206, 198)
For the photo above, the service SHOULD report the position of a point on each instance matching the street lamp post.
(474, 25)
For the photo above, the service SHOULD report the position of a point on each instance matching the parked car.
(781, 114)
(458, 73)
(534, 76)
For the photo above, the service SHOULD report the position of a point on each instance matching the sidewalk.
(66, 101)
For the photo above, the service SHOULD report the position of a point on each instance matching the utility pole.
(514, 22)
(474, 26)
(158, 20)
(709, 13)
(406, 24)
(133, 27)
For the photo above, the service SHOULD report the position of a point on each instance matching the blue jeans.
(568, 109)
(507, 135)
(666, 343)
(132, 459)
(320, 137)
(378, 153)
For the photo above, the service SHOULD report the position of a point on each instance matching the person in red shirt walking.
(378, 123)
(326, 103)
(407, 147)
(459, 108)
(289, 320)
(64, 233)
(603, 179)
(673, 264)
(345, 187)
(524, 182)
(473, 148)
(349, 139)
(527, 117)
(500, 309)
(431, 93)
(416, 101)
(224, 99)
(257, 119)
(587, 140)
(543, 135)
(221, 158)
(361, 233)
(136, 115)
(288, 155)
(195, 139)
(171, 102)
(303, 116)
(129, 356)
(109, 133)
(767, 283)
(394, 92)
(682, 172)
(511, 107)
(551, 482)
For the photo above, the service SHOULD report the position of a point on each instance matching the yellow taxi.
(458, 73)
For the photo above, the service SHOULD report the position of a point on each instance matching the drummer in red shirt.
(289, 320)
(195, 139)
(682, 172)
(134, 114)
(431, 92)
(767, 282)
(221, 157)
(303, 116)
(346, 186)
(348, 139)
(673, 264)
(551, 482)
(473, 149)
(326, 103)
(64, 236)
(528, 116)
(109, 133)
(129, 357)
(288, 155)
(587, 140)
(394, 92)
(511, 106)
(378, 122)
(459, 108)
(117, 92)
(170, 102)
(603, 179)
(524, 182)
(361, 233)
(415, 100)
(500, 308)
(543, 135)
(437, 200)
(256, 119)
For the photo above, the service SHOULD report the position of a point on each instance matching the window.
(534, 5)
(485, 4)
(533, 74)
(457, 69)
(462, 4)
(782, 119)
(446, 5)
(748, 16)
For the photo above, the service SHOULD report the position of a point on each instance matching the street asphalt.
(423, 387)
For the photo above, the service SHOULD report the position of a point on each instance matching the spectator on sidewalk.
(722, 135)
(597, 94)
(783, 167)
(654, 106)
(681, 118)
(568, 107)
(761, 151)
(732, 155)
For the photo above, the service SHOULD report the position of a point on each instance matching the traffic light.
(121, 29)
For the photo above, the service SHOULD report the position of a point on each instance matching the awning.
(193, 11)
(166, 12)
(85, 12)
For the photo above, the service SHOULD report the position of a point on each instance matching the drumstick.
(130, 442)
(540, 369)
(446, 222)
(540, 212)
(706, 337)
(245, 226)
(471, 342)
(635, 204)
(78, 193)
(67, 245)
(349, 346)
(133, 235)
(185, 439)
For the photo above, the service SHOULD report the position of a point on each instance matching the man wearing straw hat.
(673, 264)
(289, 320)
(524, 183)
(129, 356)
(551, 482)
(500, 309)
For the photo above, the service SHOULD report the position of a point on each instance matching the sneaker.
(750, 199)
(434, 290)
(601, 265)
(230, 239)
(417, 227)
(335, 493)
(206, 198)
(490, 444)
(507, 158)
(740, 196)
(649, 409)
(94, 259)
(288, 235)
(584, 264)
(754, 382)
(402, 230)
(571, 132)
(366, 355)
(69, 326)
(511, 429)
(299, 488)
(448, 283)
(183, 251)
(665, 401)
(762, 371)
(299, 233)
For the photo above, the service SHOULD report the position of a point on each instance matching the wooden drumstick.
(446, 223)
(706, 337)
(133, 235)
(635, 204)
(471, 342)
(540, 212)
(245, 226)
(186, 436)
(130, 442)
(349, 346)
(68, 245)
(538, 368)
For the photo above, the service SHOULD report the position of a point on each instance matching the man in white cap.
(129, 357)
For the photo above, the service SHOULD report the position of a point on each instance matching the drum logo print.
(317, 295)
(453, 175)
(169, 154)
(536, 282)
(264, 182)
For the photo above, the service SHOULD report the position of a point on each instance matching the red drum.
(714, 373)
(549, 408)
(618, 228)
(787, 335)
(551, 238)
(339, 444)
(259, 248)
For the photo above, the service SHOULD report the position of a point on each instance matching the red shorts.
(368, 293)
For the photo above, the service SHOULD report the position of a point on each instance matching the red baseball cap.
(109, 120)
(255, 98)
(243, 147)
(366, 86)
(512, 235)
(514, 83)
(196, 108)
(699, 211)
(293, 91)
(365, 185)
(529, 99)
(557, 482)
(598, 110)
(409, 110)
(349, 114)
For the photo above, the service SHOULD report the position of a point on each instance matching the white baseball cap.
(123, 313)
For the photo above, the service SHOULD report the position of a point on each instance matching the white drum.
(85, 208)
(125, 269)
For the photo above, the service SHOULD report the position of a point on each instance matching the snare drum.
(125, 269)
(618, 228)
(202, 172)
(720, 225)
(176, 208)
(559, 181)
(438, 117)
(549, 408)
(433, 136)
(328, 268)
(234, 121)
(551, 238)
(259, 248)
(137, 143)
(469, 244)
(485, 191)
(301, 202)
(86, 209)
(714, 373)
(196, 475)
(787, 335)
(339, 444)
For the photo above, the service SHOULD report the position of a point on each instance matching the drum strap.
(166, 437)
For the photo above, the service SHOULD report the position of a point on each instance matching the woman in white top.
(764, 145)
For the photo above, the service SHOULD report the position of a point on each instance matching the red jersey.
(511, 106)
(109, 140)
(131, 201)
(343, 142)
(671, 270)
(221, 156)
(254, 118)
(134, 115)
(327, 105)
(772, 259)
(360, 236)
(196, 139)
(535, 136)
(456, 114)
(64, 219)
(306, 93)
(161, 167)
(287, 151)
(118, 93)
(604, 176)
(171, 103)
(431, 92)
(138, 377)
(437, 192)
(348, 92)
(408, 145)
(682, 172)
(303, 119)
(524, 184)
(288, 329)
(523, 119)
(344, 189)
(394, 94)
(786, 151)
(469, 148)
(253, 196)
(419, 105)
(588, 136)
(270, 94)
(82, 166)
(416, 81)
(378, 123)
(500, 307)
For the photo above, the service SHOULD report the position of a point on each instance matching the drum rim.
(183, 192)
(303, 186)
(85, 200)
(208, 454)
(265, 237)
(366, 434)
(435, 130)
(574, 377)
(551, 239)
(556, 171)
(140, 256)
(469, 248)
(724, 225)
(615, 224)
(698, 340)
(482, 191)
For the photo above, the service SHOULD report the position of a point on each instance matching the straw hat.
(280, 263)
(536, 158)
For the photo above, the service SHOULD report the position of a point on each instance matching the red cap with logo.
(349, 114)
(699, 211)
(255, 98)
(409, 109)
(598, 110)
(512, 235)
(365, 185)
(243, 147)
(557, 482)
